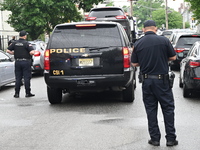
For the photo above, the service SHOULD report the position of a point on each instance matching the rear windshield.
(105, 13)
(167, 33)
(34, 46)
(100, 36)
(187, 42)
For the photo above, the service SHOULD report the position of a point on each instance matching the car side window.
(125, 36)
(198, 51)
(193, 51)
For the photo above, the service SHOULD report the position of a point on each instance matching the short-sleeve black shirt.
(21, 49)
(152, 53)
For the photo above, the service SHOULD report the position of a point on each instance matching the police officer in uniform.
(152, 53)
(12, 40)
(23, 52)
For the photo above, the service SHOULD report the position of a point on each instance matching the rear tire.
(54, 95)
(186, 92)
(129, 93)
(180, 83)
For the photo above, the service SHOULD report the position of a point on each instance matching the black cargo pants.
(156, 91)
(23, 70)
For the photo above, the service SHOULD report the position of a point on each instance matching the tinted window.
(69, 36)
(167, 33)
(105, 13)
(187, 42)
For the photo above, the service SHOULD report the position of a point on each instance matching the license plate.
(86, 62)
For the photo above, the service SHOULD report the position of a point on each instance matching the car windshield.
(105, 13)
(187, 42)
(86, 37)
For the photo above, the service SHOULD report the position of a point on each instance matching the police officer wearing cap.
(23, 52)
(152, 53)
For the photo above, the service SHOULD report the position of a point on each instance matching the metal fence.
(4, 41)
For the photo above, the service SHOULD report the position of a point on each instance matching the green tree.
(39, 16)
(110, 4)
(143, 9)
(187, 25)
(195, 9)
(174, 18)
(86, 4)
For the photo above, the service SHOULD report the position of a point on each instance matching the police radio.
(171, 76)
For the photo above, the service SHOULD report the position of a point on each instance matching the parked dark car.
(190, 71)
(114, 14)
(38, 58)
(88, 57)
(182, 46)
(7, 74)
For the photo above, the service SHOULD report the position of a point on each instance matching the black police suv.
(190, 71)
(88, 56)
(115, 14)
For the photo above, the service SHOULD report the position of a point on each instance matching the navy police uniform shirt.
(152, 53)
(21, 49)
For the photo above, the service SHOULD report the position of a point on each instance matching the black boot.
(30, 95)
(16, 95)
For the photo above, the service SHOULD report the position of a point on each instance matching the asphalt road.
(95, 121)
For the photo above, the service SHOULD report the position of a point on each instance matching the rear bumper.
(193, 84)
(37, 67)
(89, 83)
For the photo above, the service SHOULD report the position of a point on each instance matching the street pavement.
(94, 121)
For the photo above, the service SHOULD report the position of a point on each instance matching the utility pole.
(166, 14)
(131, 7)
(183, 14)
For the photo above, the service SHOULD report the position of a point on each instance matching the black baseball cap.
(149, 23)
(23, 33)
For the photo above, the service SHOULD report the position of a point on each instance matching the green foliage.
(174, 18)
(143, 9)
(86, 4)
(187, 25)
(195, 9)
(110, 4)
(155, 10)
(39, 16)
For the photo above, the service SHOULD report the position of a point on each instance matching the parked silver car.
(38, 58)
(7, 66)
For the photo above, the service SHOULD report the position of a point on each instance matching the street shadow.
(92, 103)
(7, 87)
(91, 97)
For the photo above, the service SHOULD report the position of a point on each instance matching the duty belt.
(21, 59)
(159, 76)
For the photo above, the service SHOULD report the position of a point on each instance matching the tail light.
(126, 54)
(37, 53)
(120, 17)
(194, 64)
(85, 25)
(179, 50)
(46, 60)
(91, 18)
